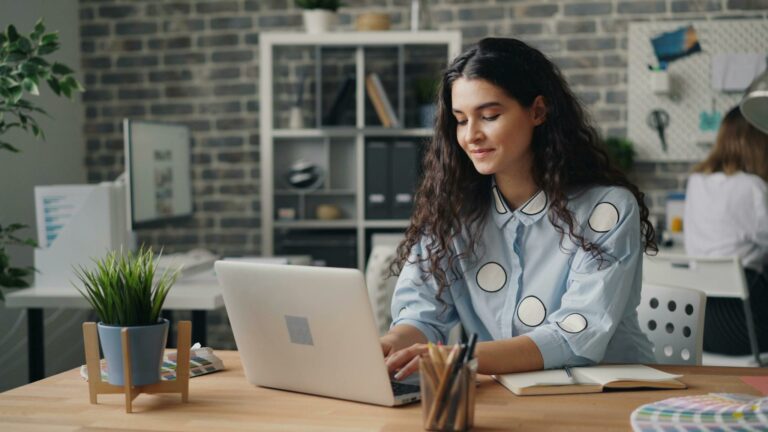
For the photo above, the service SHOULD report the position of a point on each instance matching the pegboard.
(691, 89)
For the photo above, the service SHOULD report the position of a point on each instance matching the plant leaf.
(53, 83)
(61, 69)
(24, 45)
(12, 34)
(47, 49)
(30, 86)
(50, 38)
(9, 147)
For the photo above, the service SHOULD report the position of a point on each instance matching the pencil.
(447, 375)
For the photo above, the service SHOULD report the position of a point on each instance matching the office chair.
(713, 276)
(673, 319)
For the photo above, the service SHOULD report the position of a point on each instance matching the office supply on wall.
(96, 386)
(377, 185)
(79, 222)
(403, 176)
(299, 310)
(658, 120)
(380, 101)
(202, 360)
(674, 45)
(590, 379)
(691, 84)
(733, 72)
(708, 412)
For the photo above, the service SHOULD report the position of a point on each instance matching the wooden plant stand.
(96, 386)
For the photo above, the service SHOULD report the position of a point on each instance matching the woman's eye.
(461, 122)
(491, 118)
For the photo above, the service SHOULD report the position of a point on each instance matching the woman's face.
(492, 128)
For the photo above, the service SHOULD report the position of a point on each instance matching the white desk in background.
(198, 293)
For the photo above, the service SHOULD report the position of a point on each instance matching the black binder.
(403, 177)
(377, 183)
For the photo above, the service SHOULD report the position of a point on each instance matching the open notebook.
(592, 379)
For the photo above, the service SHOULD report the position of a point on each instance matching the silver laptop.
(310, 330)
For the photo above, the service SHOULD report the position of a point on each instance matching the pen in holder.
(448, 388)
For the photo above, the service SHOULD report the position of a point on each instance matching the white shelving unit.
(339, 150)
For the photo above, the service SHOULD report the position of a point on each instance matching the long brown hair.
(453, 198)
(739, 147)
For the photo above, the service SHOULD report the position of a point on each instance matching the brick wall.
(195, 62)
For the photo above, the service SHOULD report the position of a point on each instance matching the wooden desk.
(224, 401)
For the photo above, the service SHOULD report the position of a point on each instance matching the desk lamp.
(754, 105)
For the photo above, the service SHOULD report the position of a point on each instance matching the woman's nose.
(472, 132)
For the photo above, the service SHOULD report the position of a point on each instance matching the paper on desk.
(55, 206)
(732, 72)
(758, 382)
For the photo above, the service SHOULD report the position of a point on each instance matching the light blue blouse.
(523, 281)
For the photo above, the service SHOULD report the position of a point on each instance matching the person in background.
(523, 231)
(726, 214)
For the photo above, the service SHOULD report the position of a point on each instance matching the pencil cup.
(447, 404)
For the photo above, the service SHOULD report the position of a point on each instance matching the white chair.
(673, 319)
(378, 279)
(715, 277)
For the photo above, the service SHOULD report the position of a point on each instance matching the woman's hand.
(404, 362)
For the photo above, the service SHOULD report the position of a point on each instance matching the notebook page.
(605, 374)
(554, 377)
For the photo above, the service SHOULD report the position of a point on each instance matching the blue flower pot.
(427, 115)
(147, 344)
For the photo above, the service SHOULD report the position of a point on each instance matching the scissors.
(659, 119)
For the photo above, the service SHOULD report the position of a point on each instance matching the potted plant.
(319, 15)
(126, 293)
(425, 89)
(622, 151)
(22, 70)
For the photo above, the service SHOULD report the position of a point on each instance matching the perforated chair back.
(673, 319)
(714, 276)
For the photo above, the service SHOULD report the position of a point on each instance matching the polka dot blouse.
(524, 281)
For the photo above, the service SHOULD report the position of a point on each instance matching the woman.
(726, 214)
(523, 230)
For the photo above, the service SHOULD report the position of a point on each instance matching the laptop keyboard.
(401, 389)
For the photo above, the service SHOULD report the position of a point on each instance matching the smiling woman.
(512, 144)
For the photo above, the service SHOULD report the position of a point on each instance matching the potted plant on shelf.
(22, 69)
(126, 293)
(319, 15)
(425, 89)
(622, 151)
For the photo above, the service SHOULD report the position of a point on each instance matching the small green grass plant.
(123, 288)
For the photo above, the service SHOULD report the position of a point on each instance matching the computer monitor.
(157, 158)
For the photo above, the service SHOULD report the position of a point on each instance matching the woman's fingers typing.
(405, 361)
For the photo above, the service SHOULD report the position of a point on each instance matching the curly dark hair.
(453, 198)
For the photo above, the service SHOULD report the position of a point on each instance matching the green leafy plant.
(622, 151)
(331, 5)
(425, 90)
(123, 288)
(22, 70)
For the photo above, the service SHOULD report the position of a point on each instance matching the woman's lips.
(481, 153)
